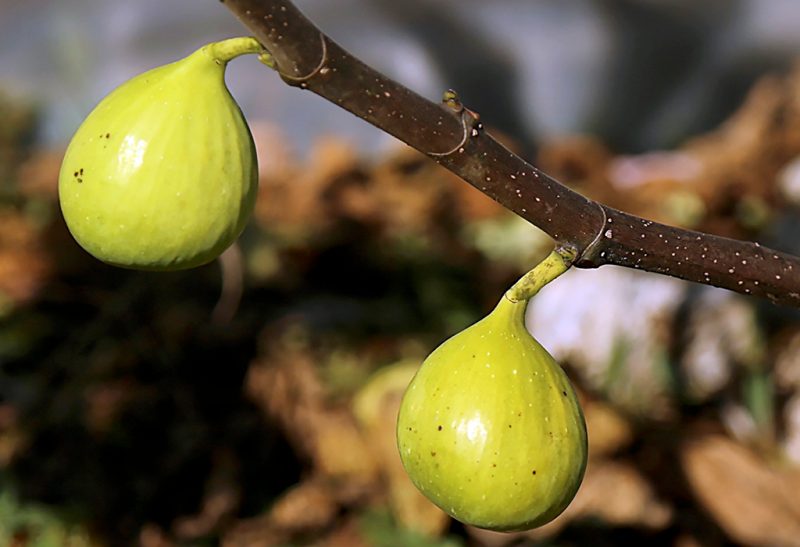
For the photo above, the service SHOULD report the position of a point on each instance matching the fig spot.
(439, 428)
(533, 472)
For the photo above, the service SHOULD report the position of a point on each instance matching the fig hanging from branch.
(162, 174)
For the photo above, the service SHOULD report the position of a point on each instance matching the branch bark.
(454, 137)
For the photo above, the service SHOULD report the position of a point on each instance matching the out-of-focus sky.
(640, 73)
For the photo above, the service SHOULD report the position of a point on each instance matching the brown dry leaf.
(341, 454)
(104, 402)
(609, 431)
(38, 176)
(580, 161)
(416, 194)
(289, 391)
(376, 407)
(786, 368)
(472, 204)
(220, 501)
(753, 502)
(306, 507)
(347, 535)
(25, 266)
(292, 199)
(615, 493)
(733, 155)
(406, 193)
(410, 193)
(253, 532)
(151, 535)
(12, 436)
(723, 182)
(305, 510)
(659, 186)
(743, 157)
(612, 492)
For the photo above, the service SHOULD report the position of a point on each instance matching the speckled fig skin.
(490, 428)
(162, 174)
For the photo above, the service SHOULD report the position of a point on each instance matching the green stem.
(231, 48)
(556, 263)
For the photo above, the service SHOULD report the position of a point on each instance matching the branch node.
(470, 121)
(588, 251)
(319, 69)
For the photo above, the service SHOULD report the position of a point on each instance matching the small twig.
(307, 58)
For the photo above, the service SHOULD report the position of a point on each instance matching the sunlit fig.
(162, 174)
(490, 428)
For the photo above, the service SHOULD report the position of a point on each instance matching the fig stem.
(557, 262)
(227, 50)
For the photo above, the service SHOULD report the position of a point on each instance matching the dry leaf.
(286, 386)
(304, 508)
(25, 266)
(376, 407)
(754, 503)
(612, 492)
(609, 432)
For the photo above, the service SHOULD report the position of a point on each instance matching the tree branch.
(454, 137)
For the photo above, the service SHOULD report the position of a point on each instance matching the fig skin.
(490, 428)
(162, 174)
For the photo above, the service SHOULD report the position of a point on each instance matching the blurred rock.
(723, 334)
(613, 327)
(789, 182)
(787, 362)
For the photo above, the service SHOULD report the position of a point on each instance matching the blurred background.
(252, 402)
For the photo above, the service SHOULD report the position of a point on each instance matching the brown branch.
(454, 137)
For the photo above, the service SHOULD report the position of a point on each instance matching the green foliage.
(37, 525)
(381, 530)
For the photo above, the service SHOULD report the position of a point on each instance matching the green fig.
(162, 174)
(490, 428)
